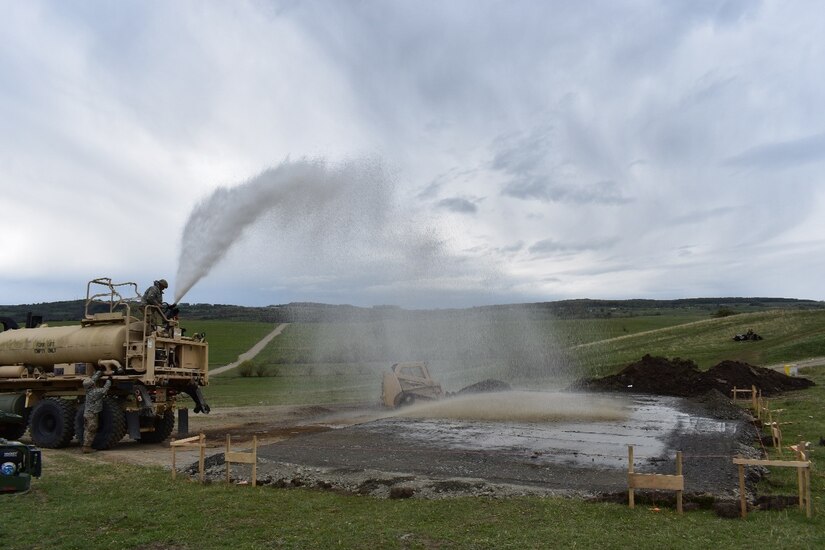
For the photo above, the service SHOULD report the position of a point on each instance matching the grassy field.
(788, 336)
(143, 508)
(312, 363)
(228, 339)
(318, 388)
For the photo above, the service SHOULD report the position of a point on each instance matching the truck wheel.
(51, 423)
(163, 424)
(111, 425)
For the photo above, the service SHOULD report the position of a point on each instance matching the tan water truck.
(143, 349)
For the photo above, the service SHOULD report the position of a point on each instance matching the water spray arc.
(220, 220)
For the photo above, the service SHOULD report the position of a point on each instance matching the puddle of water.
(521, 406)
(561, 428)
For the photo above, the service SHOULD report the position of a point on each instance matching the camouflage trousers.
(90, 423)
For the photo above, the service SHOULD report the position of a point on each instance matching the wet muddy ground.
(363, 451)
(547, 444)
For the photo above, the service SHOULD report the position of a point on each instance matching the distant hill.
(309, 312)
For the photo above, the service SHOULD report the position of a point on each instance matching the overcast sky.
(524, 150)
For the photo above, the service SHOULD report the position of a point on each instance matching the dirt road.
(802, 363)
(252, 352)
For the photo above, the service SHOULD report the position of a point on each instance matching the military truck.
(141, 348)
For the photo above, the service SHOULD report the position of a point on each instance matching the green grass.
(800, 419)
(228, 339)
(318, 388)
(144, 508)
(788, 336)
(572, 332)
(343, 362)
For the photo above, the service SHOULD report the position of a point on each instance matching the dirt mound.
(486, 386)
(742, 375)
(682, 378)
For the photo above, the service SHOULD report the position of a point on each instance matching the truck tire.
(111, 425)
(163, 424)
(51, 424)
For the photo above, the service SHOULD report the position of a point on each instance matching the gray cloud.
(544, 165)
(431, 191)
(701, 216)
(605, 192)
(459, 205)
(781, 154)
(512, 248)
(551, 247)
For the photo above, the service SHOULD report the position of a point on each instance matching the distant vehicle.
(750, 335)
(407, 383)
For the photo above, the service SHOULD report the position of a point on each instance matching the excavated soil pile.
(682, 378)
(486, 386)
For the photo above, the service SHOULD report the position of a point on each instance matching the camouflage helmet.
(162, 284)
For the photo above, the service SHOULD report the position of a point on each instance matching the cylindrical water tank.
(45, 346)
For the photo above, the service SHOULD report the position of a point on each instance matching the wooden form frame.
(242, 458)
(776, 436)
(194, 441)
(766, 413)
(803, 475)
(654, 481)
(752, 392)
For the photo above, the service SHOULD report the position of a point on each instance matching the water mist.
(341, 224)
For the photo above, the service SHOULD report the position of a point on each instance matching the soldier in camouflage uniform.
(154, 297)
(94, 404)
(154, 294)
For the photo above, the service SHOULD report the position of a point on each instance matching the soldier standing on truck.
(94, 404)
(154, 297)
(154, 294)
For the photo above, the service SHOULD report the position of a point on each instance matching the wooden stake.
(679, 473)
(743, 503)
(174, 469)
(808, 492)
(254, 460)
(202, 441)
(194, 441)
(631, 497)
(226, 457)
(800, 477)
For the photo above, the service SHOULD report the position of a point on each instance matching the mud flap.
(195, 393)
(145, 400)
(183, 422)
(133, 424)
